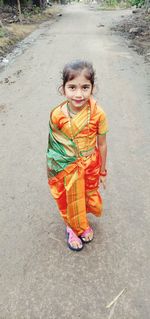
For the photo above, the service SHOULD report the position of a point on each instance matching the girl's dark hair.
(71, 70)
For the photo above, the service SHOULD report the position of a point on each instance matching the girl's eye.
(72, 87)
(85, 87)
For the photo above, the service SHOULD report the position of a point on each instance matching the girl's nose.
(79, 93)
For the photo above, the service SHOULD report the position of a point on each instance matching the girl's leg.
(76, 205)
(94, 203)
(93, 198)
(71, 203)
(59, 193)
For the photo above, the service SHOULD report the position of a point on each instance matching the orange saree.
(74, 162)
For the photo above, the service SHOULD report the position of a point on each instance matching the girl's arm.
(102, 146)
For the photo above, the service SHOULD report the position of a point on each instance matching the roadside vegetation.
(16, 22)
(135, 27)
(112, 4)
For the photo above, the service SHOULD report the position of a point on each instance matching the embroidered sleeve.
(102, 124)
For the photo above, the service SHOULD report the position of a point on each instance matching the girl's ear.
(61, 90)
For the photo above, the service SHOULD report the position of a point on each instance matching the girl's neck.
(75, 110)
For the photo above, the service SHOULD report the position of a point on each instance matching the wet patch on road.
(3, 108)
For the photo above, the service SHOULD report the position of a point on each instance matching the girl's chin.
(78, 104)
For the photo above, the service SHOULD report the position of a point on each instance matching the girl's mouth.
(78, 101)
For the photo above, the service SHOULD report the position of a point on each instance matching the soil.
(136, 28)
(12, 30)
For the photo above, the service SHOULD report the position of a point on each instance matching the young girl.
(76, 155)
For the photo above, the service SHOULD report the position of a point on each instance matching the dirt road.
(39, 277)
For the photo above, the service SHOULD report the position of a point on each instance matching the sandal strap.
(88, 231)
(73, 236)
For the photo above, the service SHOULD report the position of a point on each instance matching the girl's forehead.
(79, 78)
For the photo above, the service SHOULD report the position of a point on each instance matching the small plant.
(106, 4)
(112, 3)
(137, 3)
(2, 32)
(36, 10)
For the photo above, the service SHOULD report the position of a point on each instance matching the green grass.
(3, 32)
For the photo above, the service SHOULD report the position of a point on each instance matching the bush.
(137, 3)
(112, 3)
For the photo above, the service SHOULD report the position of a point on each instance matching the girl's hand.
(103, 181)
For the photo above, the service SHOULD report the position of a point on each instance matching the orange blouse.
(84, 127)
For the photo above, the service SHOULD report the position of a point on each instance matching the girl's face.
(78, 91)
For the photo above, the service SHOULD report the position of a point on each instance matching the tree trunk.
(19, 10)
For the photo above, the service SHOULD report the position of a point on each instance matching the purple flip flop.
(71, 237)
(86, 233)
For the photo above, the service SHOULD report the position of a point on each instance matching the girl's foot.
(87, 235)
(73, 241)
